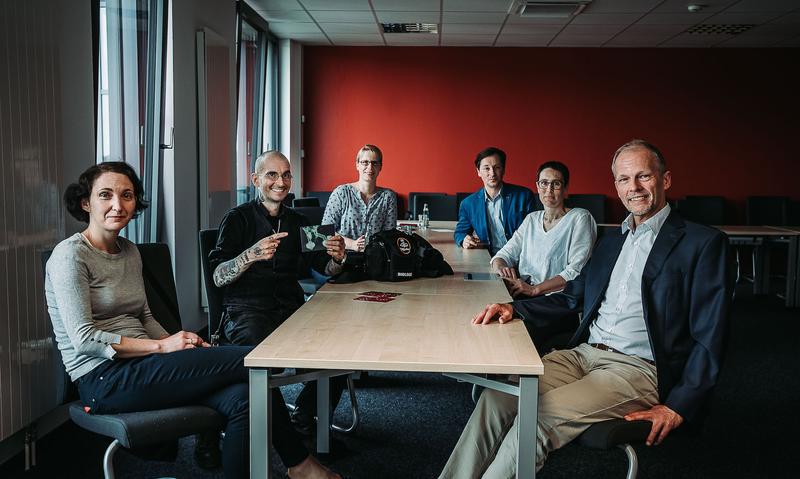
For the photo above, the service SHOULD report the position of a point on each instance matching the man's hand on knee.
(663, 418)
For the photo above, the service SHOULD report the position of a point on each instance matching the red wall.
(726, 119)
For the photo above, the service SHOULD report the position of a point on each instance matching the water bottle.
(425, 218)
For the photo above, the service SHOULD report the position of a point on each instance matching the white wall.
(290, 90)
(189, 16)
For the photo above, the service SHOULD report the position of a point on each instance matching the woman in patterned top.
(361, 209)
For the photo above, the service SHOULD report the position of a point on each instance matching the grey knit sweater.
(94, 298)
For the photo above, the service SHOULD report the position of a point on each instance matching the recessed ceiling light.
(410, 27)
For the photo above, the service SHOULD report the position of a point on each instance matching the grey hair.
(642, 144)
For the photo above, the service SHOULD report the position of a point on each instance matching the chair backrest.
(707, 210)
(767, 210)
(214, 294)
(412, 203)
(323, 196)
(313, 213)
(440, 207)
(306, 201)
(459, 198)
(159, 285)
(595, 204)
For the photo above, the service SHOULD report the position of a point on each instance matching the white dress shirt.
(620, 320)
(539, 255)
(494, 220)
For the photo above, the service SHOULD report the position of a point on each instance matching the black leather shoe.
(206, 450)
(303, 422)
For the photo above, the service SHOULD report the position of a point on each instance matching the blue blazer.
(518, 201)
(687, 288)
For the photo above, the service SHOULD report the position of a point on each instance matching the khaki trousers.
(579, 387)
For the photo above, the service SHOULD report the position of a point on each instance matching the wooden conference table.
(426, 329)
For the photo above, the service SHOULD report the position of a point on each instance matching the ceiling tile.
(408, 17)
(689, 40)
(471, 28)
(726, 18)
(357, 28)
(521, 28)
(406, 5)
(637, 41)
(655, 30)
(621, 6)
(681, 6)
(274, 4)
(790, 18)
(342, 39)
(473, 17)
(335, 4)
(581, 39)
(783, 28)
(284, 29)
(477, 5)
(467, 40)
(285, 16)
(592, 29)
(764, 6)
(311, 39)
(605, 18)
(673, 18)
(343, 16)
(411, 39)
(530, 40)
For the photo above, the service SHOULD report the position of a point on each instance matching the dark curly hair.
(77, 192)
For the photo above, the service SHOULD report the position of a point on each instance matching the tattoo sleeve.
(229, 271)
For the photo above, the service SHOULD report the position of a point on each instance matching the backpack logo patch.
(404, 245)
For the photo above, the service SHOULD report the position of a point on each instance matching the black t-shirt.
(270, 284)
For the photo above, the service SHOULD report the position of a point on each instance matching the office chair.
(322, 196)
(305, 201)
(595, 204)
(148, 428)
(413, 209)
(440, 207)
(214, 297)
(767, 210)
(706, 210)
(313, 213)
(459, 198)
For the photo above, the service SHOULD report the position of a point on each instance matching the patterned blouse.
(353, 218)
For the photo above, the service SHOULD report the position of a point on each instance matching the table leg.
(761, 269)
(793, 273)
(528, 418)
(323, 415)
(260, 418)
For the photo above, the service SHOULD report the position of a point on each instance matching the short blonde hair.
(370, 149)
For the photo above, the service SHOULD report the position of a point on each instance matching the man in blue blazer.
(655, 298)
(491, 215)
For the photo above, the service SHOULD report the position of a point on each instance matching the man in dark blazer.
(490, 216)
(655, 298)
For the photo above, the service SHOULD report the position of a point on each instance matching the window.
(130, 52)
(256, 124)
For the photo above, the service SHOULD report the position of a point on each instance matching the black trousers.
(213, 377)
(245, 326)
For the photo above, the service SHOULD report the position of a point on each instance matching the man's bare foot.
(310, 468)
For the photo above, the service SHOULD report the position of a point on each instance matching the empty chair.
(305, 201)
(313, 213)
(707, 210)
(322, 196)
(767, 210)
(595, 204)
(440, 207)
(412, 208)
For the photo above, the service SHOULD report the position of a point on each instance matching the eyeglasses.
(274, 175)
(365, 163)
(544, 184)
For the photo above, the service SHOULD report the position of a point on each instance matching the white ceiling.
(604, 23)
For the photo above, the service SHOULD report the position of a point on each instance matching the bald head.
(267, 155)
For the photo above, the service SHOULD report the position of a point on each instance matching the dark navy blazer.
(687, 288)
(518, 201)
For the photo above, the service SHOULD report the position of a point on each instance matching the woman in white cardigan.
(552, 245)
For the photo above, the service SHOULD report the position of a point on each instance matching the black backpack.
(393, 255)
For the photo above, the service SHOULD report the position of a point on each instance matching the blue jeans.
(213, 377)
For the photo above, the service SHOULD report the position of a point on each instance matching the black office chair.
(147, 428)
(617, 433)
(595, 204)
(767, 210)
(707, 210)
(459, 198)
(413, 209)
(289, 200)
(322, 196)
(214, 297)
(440, 207)
(305, 202)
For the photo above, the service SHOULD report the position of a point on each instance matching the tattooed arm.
(229, 271)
